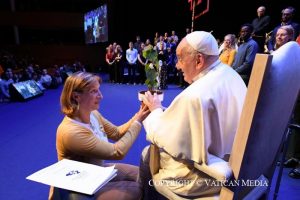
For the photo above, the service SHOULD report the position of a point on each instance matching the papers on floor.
(76, 176)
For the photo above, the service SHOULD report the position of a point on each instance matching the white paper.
(76, 176)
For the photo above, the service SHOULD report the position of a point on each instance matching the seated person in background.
(229, 50)
(83, 136)
(201, 121)
(46, 79)
(284, 34)
(5, 81)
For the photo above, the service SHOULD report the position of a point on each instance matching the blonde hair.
(77, 82)
(289, 30)
(232, 40)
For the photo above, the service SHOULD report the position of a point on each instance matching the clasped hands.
(150, 103)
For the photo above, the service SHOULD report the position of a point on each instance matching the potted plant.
(151, 70)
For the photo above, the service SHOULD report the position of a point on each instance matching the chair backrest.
(272, 92)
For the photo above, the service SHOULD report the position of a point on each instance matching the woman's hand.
(142, 113)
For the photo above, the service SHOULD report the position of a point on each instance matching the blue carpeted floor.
(28, 131)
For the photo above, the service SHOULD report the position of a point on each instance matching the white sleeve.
(151, 122)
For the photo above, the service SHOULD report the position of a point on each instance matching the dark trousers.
(131, 73)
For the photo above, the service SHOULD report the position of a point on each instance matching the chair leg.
(279, 176)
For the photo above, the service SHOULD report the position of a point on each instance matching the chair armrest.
(216, 168)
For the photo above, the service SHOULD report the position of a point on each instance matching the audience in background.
(162, 42)
(286, 19)
(24, 69)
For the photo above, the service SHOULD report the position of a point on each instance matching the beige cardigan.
(76, 142)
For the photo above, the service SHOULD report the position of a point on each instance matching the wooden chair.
(271, 96)
(272, 92)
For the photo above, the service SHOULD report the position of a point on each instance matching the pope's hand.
(151, 101)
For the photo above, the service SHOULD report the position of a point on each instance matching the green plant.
(151, 68)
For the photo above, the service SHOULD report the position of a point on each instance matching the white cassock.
(201, 120)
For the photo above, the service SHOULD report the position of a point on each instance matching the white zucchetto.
(203, 42)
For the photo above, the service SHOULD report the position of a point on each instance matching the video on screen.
(28, 89)
(95, 25)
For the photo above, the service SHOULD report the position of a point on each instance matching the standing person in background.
(197, 120)
(174, 37)
(142, 61)
(131, 57)
(229, 50)
(171, 65)
(83, 135)
(148, 43)
(110, 59)
(118, 65)
(162, 68)
(156, 38)
(137, 44)
(166, 36)
(286, 19)
(244, 58)
(261, 27)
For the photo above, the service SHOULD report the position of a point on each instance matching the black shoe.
(291, 163)
(295, 173)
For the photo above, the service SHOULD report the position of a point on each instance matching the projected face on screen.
(95, 25)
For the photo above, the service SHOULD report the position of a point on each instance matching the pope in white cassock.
(200, 122)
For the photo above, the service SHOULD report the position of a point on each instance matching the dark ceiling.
(128, 18)
(49, 5)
